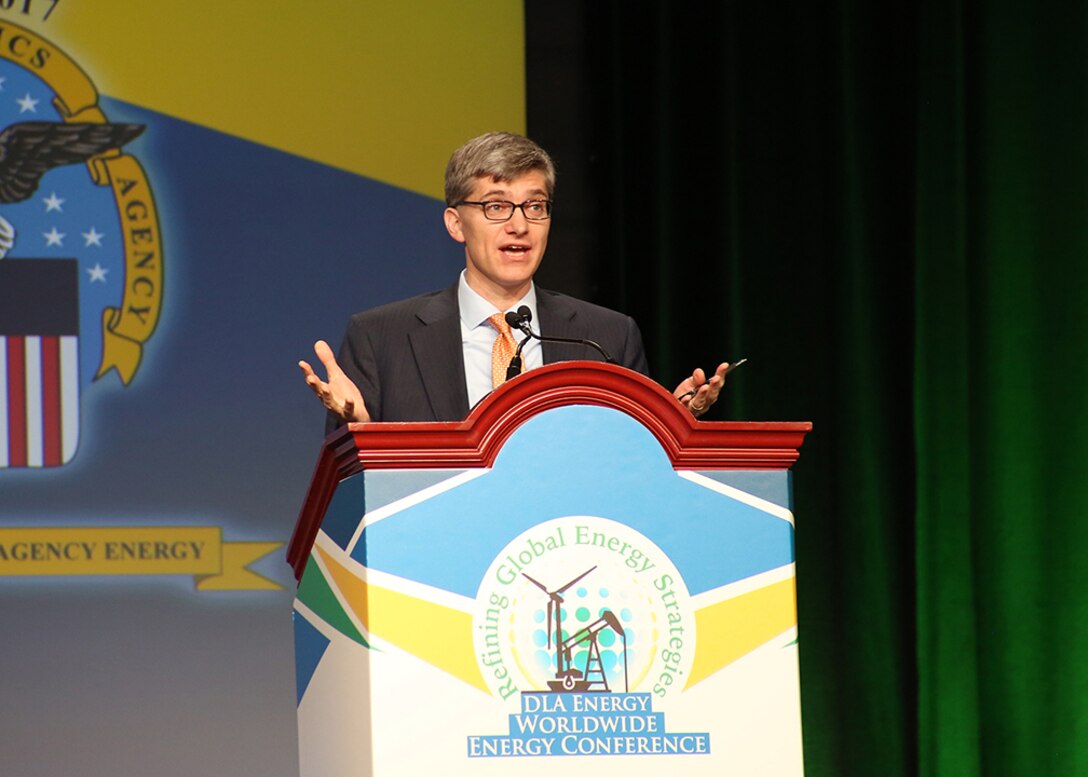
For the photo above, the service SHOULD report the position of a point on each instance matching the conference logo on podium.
(586, 626)
(81, 261)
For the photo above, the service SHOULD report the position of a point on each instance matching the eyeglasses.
(501, 210)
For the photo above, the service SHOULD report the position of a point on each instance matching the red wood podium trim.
(476, 441)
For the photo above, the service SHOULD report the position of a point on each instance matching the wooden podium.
(577, 579)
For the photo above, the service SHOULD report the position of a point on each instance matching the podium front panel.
(579, 606)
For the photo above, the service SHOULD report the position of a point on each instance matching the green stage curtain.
(883, 206)
(1000, 396)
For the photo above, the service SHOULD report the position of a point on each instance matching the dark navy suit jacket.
(407, 361)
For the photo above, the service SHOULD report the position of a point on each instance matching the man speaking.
(433, 357)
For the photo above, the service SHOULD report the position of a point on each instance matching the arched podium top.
(476, 441)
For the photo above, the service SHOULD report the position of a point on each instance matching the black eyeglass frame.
(513, 206)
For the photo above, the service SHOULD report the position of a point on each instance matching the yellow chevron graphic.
(442, 636)
(439, 635)
(735, 627)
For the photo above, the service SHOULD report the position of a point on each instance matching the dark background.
(882, 206)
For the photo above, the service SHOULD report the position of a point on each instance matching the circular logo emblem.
(583, 604)
(81, 261)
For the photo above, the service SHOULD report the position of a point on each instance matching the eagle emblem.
(30, 149)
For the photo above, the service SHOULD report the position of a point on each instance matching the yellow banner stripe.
(143, 550)
(439, 635)
(735, 627)
(386, 90)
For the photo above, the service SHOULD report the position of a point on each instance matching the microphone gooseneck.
(520, 320)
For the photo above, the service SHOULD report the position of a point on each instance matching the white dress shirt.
(478, 338)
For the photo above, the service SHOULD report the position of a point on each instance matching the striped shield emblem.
(39, 362)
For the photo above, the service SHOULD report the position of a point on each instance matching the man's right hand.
(338, 394)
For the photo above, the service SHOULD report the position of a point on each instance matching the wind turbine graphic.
(592, 676)
(555, 605)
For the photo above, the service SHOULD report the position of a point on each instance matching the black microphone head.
(513, 319)
(525, 313)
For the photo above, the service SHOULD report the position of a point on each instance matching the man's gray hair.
(501, 156)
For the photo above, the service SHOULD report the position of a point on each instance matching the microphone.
(521, 320)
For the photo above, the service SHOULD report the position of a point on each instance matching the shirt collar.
(475, 310)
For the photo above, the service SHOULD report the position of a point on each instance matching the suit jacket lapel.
(557, 319)
(436, 346)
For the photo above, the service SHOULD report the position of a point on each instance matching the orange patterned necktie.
(503, 349)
